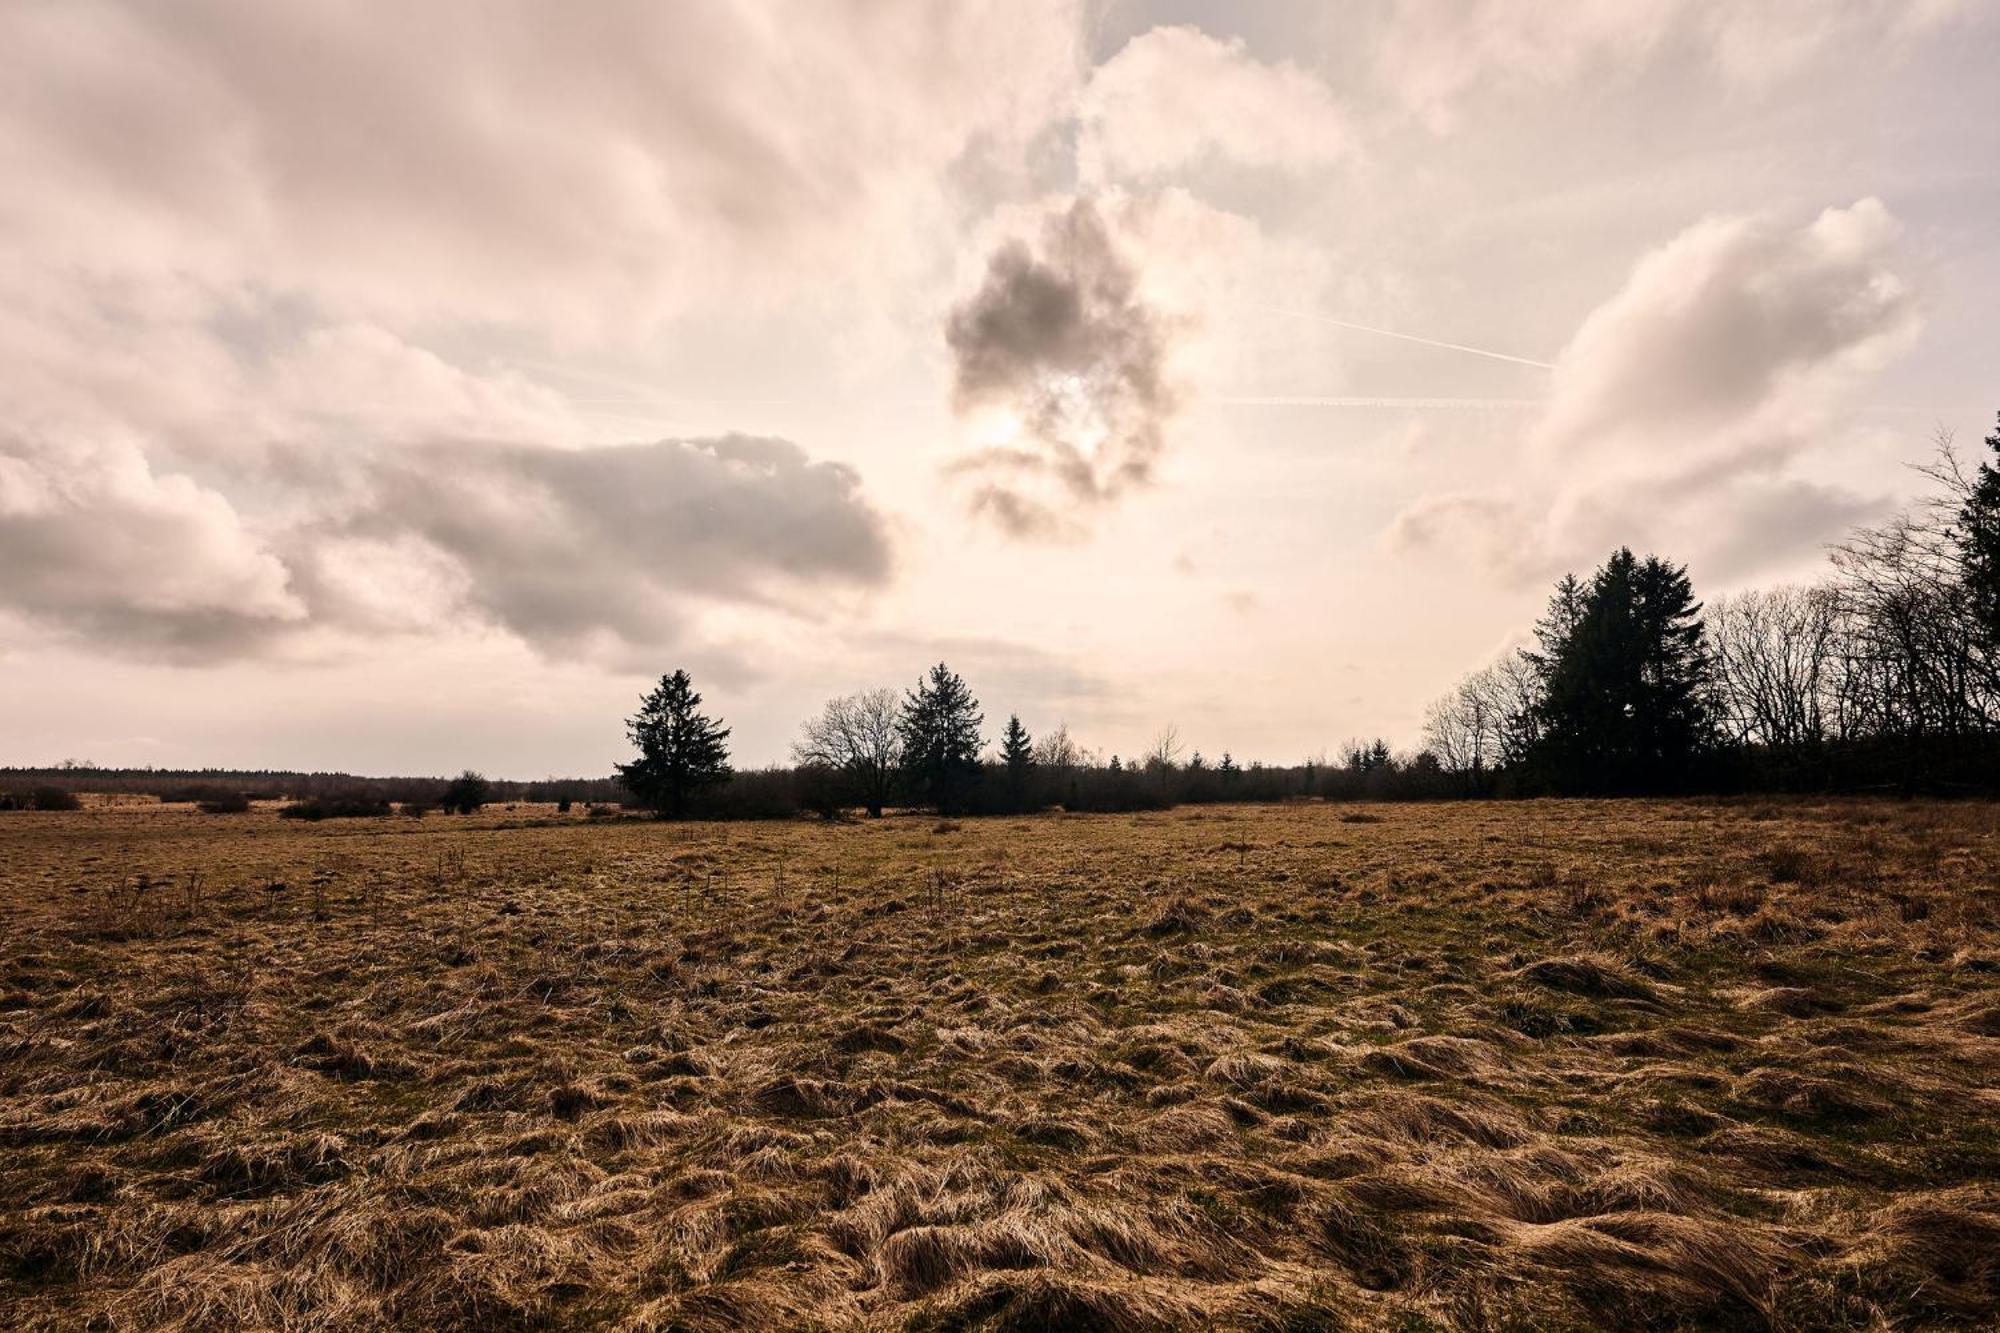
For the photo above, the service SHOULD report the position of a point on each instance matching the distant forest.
(1883, 677)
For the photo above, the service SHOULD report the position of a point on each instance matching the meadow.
(1479, 1065)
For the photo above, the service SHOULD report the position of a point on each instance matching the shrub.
(562, 806)
(224, 803)
(52, 798)
(466, 793)
(335, 807)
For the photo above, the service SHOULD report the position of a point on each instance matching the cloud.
(597, 551)
(1066, 363)
(1687, 395)
(561, 547)
(1490, 528)
(1732, 329)
(93, 540)
(501, 161)
(1175, 96)
(268, 272)
(1440, 58)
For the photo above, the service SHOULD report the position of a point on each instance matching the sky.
(398, 389)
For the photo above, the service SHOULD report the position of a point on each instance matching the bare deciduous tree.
(857, 735)
(1779, 657)
(1923, 662)
(1056, 752)
(1165, 752)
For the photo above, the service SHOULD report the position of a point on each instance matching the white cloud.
(501, 160)
(1440, 58)
(1175, 96)
(1730, 337)
(1687, 395)
(92, 539)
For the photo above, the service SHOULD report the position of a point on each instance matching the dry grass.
(1560, 1065)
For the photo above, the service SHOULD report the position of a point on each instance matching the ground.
(1422, 1066)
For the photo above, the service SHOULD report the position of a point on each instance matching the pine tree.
(1625, 669)
(680, 751)
(941, 741)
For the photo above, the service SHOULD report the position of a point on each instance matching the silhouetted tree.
(1978, 541)
(1057, 758)
(465, 793)
(1626, 670)
(857, 737)
(1017, 756)
(680, 751)
(1781, 684)
(1017, 751)
(939, 729)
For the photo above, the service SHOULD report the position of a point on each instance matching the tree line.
(925, 748)
(1883, 676)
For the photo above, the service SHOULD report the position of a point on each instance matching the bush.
(466, 793)
(335, 807)
(562, 806)
(224, 803)
(52, 798)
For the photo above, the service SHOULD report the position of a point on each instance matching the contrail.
(1334, 400)
(1406, 337)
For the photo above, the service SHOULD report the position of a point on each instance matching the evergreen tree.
(1978, 537)
(1017, 751)
(941, 741)
(1625, 670)
(1017, 754)
(680, 751)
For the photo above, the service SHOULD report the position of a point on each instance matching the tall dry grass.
(1476, 1066)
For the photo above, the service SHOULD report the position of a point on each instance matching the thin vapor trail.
(1349, 400)
(1406, 337)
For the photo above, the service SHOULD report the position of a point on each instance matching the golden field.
(1539, 1065)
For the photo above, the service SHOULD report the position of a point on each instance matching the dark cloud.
(558, 546)
(1058, 342)
(569, 550)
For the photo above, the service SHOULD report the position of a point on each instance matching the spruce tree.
(1978, 537)
(1017, 753)
(1625, 669)
(941, 741)
(680, 750)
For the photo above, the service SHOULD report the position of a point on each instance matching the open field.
(1463, 1066)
